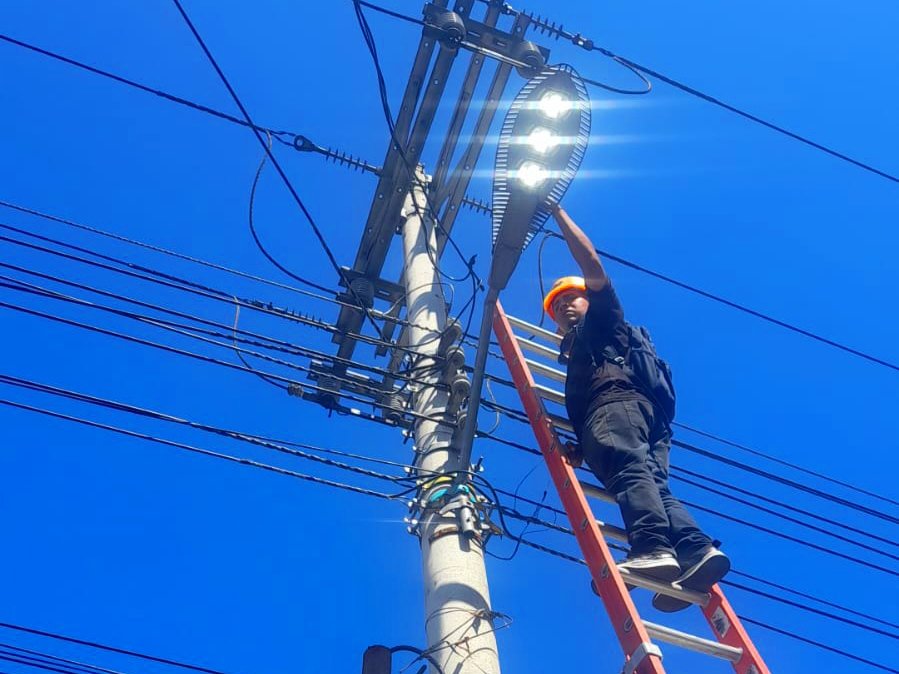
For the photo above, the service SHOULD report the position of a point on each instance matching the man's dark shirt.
(588, 386)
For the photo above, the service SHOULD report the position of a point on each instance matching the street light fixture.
(541, 145)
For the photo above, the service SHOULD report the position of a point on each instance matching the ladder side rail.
(729, 630)
(626, 622)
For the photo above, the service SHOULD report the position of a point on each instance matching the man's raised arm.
(582, 250)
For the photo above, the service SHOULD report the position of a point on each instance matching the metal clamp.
(642, 651)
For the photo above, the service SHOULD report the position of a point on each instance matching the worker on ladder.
(620, 400)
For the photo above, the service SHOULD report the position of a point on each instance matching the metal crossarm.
(635, 635)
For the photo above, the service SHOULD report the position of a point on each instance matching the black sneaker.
(699, 577)
(661, 565)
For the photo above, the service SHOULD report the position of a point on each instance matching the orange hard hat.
(562, 285)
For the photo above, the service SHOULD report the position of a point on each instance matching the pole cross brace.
(642, 651)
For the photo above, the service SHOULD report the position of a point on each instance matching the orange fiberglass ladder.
(636, 635)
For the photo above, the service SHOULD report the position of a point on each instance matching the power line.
(817, 644)
(781, 504)
(38, 655)
(143, 87)
(848, 654)
(274, 160)
(788, 464)
(519, 417)
(747, 310)
(786, 482)
(557, 30)
(111, 649)
(178, 283)
(788, 518)
(199, 450)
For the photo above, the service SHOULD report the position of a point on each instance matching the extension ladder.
(642, 656)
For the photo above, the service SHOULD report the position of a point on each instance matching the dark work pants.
(627, 447)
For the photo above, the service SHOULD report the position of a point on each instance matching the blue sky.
(144, 546)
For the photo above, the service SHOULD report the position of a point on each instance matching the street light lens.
(554, 105)
(542, 140)
(532, 175)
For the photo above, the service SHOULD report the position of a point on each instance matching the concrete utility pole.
(458, 618)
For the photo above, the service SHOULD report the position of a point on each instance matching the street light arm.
(582, 249)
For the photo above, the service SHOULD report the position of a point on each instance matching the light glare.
(554, 105)
(542, 140)
(532, 175)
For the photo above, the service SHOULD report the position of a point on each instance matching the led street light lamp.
(541, 146)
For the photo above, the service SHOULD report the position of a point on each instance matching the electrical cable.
(780, 503)
(271, 156)
(578, 40)
(788, 518)
(752, 312)
(817, 644)
(783, 588)
(741, 307)
(255, 234)
(788, 464)
(73, 665)
(150, 90)
(111, 649)
(205, 452)
(269, 343)
(206, 428)
(166, 325)
(182, 284)
(785, 481)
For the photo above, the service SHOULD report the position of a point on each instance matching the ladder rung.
(535, 330)
(545, 370)
(662, 587)
(693, 643)
(597, 492)
(561, 423)
(536, 347)
(612, 531)
(550, 394)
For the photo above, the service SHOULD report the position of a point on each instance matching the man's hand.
(573, 453)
